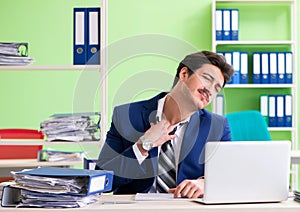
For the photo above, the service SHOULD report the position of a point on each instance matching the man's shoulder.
(211, 115)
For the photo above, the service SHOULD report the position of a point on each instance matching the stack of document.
(56, 187)
(72, 127)
(58, 156)
(14, 54)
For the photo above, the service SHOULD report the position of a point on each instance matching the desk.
(174, 206)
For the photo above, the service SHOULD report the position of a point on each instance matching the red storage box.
(21, 134)
(19, 151)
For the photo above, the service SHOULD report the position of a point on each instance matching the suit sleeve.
(117, 154)
(226, 133)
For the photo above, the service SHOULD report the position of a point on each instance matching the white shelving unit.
(292, 43)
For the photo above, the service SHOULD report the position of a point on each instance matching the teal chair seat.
(248, 125)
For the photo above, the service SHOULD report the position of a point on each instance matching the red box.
(19, 151)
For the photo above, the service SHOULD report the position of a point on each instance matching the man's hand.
(189, 189)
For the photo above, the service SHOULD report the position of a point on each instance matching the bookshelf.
(271, 30)
(51, 65)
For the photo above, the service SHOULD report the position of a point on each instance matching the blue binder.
(234, 24)
(80, 36)
(273, 67)
(288, 111)
(98, 181)
(228, 57)
(256, 77)
(226, 25)
(280, 110)
(272, 111)
(93, 38)
(264, 68)
(244, 68)
(236, 67)
(281, 67)
(219, 24)
(289, 67)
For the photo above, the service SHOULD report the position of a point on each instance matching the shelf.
(256, 1)
(232, 42)
(54, 67)
(42, 142)
(280, 129)
(259, 86)
(9, 163)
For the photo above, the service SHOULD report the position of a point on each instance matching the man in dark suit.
(139, 131)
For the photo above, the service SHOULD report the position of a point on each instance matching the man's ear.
(184, 73)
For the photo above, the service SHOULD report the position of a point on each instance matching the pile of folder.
(14, 54)
(56, 187)
(72, 127)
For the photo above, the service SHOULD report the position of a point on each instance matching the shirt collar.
(160, 106)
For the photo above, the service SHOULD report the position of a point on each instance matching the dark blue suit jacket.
(130, 121)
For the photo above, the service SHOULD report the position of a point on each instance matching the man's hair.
(197, 60)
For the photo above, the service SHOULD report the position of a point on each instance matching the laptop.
(246, 172)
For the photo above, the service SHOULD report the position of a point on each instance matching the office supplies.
(58, 155)
(264, 68)
(236, 67)
(288, 111)
(26, 151)
(272, 111)
(273, 67)
(243, 172)
(15, 53)
(70, 180)
(228, 57)
(219, 104)
(281, 67)
(264, 107)
(244, 68)
(19, 133)
(226, 25)
(280, 110)
(288, 67)
(93, 38)
(80, 36)
(219, 24)
(256, 78)
(234, 24)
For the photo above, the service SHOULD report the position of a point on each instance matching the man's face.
(204, 84)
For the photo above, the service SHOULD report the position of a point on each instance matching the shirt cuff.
(138, 154)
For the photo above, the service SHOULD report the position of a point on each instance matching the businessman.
(157, 145)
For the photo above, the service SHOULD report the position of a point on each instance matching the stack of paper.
(14, 54)
(56, 187)
(72, 127)
(297, 196)
(56, 155)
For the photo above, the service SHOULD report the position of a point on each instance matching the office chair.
(248, 125)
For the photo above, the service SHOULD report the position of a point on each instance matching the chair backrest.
(248, 125)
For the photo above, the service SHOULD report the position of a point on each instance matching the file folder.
(219, 24)
(97, 181)
(280, 110)
(273, 68)
(228, 57)
(244, 68)
(288, 67)
(226, 25)
(281, 67)
(219, 104)
(256, 78)
(264, 102)
(288, 111)
(272, 111)
(265, 68)
(234, 24)
(80, 36)
(236, 67)
(93, 38)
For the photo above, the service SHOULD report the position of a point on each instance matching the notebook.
(246, 172)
